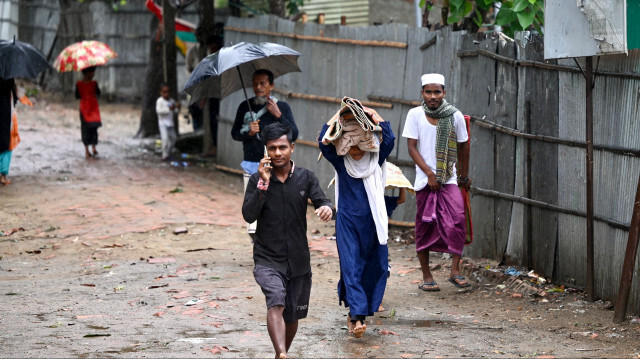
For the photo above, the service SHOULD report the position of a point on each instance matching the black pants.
(89, 131)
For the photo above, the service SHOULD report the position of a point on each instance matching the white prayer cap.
(432, 79)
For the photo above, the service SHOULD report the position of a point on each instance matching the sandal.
(429, 286)
(454, 280)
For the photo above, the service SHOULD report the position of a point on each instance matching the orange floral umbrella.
(81, 55)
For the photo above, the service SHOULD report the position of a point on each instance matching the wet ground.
(90, 266)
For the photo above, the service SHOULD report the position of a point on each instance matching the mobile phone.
(266, 154)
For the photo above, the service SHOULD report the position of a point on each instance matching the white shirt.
(163, 109)
(418, 127)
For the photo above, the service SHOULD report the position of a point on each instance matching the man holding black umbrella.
(265, 110)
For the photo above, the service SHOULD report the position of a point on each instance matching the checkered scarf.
(446, 144)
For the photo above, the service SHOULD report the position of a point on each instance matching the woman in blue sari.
(361, 219)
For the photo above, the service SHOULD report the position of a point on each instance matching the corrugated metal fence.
(528, 156)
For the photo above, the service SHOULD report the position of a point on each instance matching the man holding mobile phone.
(277, 198)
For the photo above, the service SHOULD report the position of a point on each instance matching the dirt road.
(94, 269)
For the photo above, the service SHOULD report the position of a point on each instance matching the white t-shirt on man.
(418, 127)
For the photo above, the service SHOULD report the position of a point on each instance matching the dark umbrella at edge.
(21, 60)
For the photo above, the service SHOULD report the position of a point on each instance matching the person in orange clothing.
(87, 91)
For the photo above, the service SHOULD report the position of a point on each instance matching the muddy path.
(91, 267)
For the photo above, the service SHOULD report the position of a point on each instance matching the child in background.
(87, 91)
(165, 108)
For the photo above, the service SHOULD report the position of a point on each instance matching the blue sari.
(363, 260)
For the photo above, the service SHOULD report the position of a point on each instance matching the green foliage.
(512, 15)
(258, 7)
(293, 6)
(519, 15)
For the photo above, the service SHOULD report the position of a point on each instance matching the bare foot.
(4, 180)
(350, 325)
(282, 356)
(359, 329)
(87, 154)
(381, 308)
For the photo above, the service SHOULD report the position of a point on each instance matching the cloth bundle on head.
(351, 126)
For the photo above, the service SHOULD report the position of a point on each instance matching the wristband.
(263, 185)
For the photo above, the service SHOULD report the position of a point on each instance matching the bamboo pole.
(394, 100)
(629, 263)
(401, 223)
(482, 122)
(229, 169)
(590, 286)
(394, 44)
(329, 99)
(551, 207)
(307, 143)
(542, 65)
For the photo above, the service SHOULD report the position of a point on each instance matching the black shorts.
(292, 293)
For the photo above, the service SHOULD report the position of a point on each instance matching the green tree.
(281, 8)
(474, 15)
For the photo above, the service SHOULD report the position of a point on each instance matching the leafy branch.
(510, 15)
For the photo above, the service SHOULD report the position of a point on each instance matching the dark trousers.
(89, 132)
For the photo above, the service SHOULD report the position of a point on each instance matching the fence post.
(629, 262)
(589, 127)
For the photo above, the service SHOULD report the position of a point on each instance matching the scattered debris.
(193, 302)
(161, 260)
(113, 245)
(201, 249)
(386, 332)
(180, 230)
(217, 349)
(11, 231)
(158, 286)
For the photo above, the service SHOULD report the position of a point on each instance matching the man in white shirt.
(438, 143)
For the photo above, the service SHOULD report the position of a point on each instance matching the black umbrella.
(231, 69)
(20, 60)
